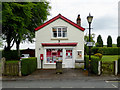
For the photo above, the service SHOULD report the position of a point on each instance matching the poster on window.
(68, 54)
(79, 54)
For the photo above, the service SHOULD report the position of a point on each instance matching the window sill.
(59, 38)
(80, 59)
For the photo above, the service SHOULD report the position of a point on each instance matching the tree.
(99, 41)
(118, 41)
(20, 19)
(86, 38)
(1, 42)
(109, 41)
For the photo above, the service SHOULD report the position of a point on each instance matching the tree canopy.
(118, 41)
(86, 38)
(109, 41)
(19, 20)
(99, 41)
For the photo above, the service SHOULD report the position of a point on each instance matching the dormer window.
(59, 32)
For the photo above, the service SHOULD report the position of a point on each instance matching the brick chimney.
(78, 20)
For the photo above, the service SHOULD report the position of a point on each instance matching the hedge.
(28, 65)
(105, 50)
(10, 55)
(119, 65)
(94, 63)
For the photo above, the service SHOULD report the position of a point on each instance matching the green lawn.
(109, 58)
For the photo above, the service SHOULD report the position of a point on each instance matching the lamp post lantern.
(89, 19)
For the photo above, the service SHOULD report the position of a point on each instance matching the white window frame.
(71, 52)
(46, 55)
(64, 51)
(61, 32)
(77, 54)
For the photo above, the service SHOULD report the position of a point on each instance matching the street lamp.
(89, 19)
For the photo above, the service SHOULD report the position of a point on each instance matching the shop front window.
(53, 55)
(68, 54)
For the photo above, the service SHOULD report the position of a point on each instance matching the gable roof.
(63, 18)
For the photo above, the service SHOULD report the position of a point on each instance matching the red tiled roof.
(63, 18)
(59, 44)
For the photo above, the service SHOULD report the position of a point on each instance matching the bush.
(98, 55)
(106, 50)
(95, 50)
(10, 55)
(28, 65)
(94, 64)
(119, 65)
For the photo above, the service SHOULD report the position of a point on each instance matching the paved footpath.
(71, 78)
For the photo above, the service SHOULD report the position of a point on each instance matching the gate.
(11, 69)
(108, 67)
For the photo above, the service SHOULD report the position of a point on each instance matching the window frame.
(57, 56)
(81, 57)
(71, 52)
(60, 33)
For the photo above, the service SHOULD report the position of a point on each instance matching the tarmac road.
(71, 78)
(62, 83)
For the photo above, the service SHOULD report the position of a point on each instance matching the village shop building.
(59, 39)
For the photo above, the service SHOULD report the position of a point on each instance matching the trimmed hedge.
(10, 55)
(28, 65)
(119, 65)
(94, 63)
(105, 50)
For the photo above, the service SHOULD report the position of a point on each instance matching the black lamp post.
(89, 19)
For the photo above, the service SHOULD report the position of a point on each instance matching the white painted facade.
(45, 35)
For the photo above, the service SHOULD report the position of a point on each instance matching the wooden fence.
(11, 69)
(108, 67)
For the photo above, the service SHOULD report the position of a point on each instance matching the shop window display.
(53, 55)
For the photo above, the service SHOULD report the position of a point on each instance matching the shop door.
(69, 59)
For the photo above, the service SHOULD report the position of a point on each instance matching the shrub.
(119, 65)
(98, 55)
(95, 50)
(106, 50)
(109, 41)
(28, 65)
(94, 64)
(10, 55)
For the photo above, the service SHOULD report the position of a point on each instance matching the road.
(63, 83)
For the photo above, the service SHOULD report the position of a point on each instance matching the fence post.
(3, 64)
(19, 68)
(99, 67)
(116, 67)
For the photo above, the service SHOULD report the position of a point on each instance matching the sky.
(104, 12)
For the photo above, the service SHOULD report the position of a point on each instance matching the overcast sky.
(104, 12)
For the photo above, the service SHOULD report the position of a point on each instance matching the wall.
(44, 35)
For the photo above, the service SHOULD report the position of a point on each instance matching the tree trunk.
(9, 40)
(8, 43)
(17, 47)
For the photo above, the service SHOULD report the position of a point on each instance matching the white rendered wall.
(44, 35)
